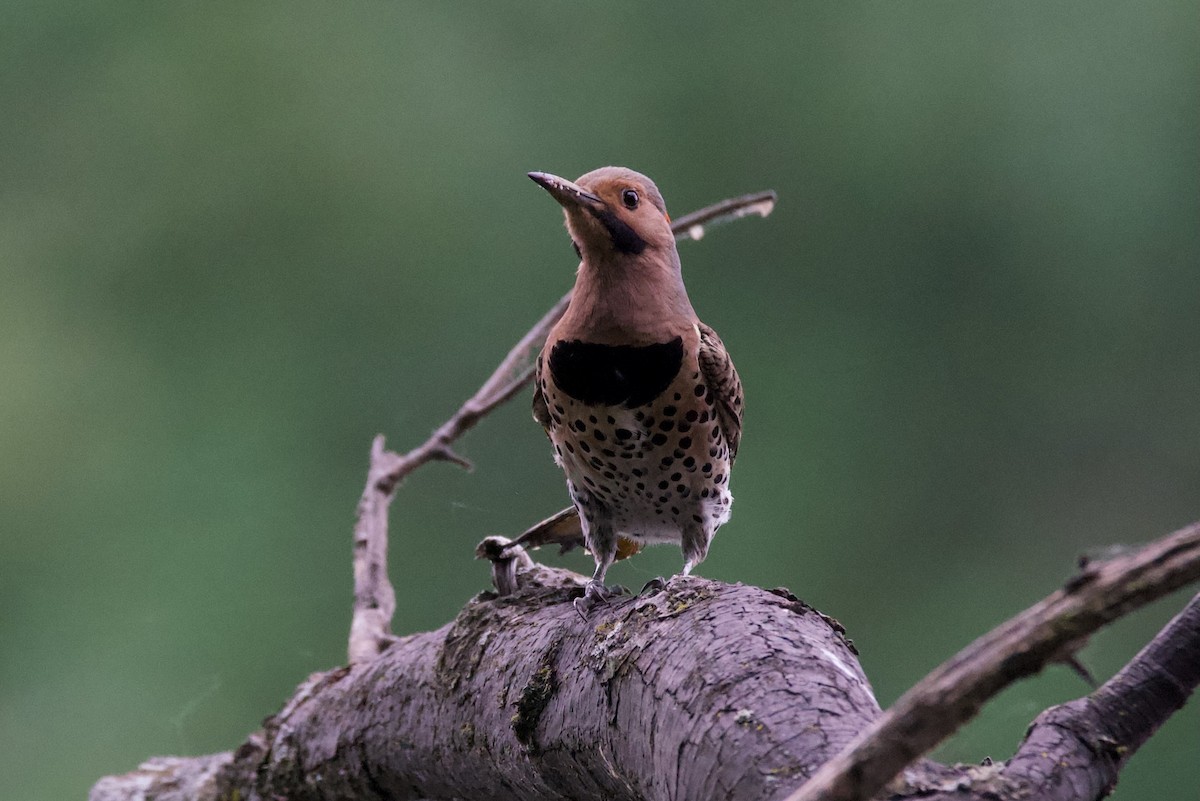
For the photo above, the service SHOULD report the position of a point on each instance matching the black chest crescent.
(615, 375)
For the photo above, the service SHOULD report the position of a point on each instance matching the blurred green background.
(238, 240)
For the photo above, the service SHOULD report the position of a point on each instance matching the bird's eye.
(630, 198)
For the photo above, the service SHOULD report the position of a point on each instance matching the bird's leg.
(602, 542)
(694, 540)
(595, 592)
(658, 583)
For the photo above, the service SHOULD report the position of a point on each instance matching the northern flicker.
(640, 398)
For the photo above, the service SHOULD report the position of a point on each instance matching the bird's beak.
(567, 193)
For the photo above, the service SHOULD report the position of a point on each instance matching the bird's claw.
(653, 586)
(596, 594)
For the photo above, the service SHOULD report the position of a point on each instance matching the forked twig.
(374, 598)
(1046, 632)
(1085, 743)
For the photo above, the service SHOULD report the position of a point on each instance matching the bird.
(639, 398)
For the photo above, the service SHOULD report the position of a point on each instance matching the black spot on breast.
(613, 375)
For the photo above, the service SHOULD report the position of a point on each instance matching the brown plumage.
(640, 398)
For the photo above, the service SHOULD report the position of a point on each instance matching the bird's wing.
(719, 374)
(541, 412)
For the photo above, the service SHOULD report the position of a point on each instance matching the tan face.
(612, 210)
(633, 216)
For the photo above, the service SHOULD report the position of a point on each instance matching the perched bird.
(640, 398)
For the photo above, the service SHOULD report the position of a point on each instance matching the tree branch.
(374, 598)
(953, 693)
(518, 698)
(694, 225)
(1092, 738)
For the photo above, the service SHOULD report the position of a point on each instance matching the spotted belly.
(652, 469)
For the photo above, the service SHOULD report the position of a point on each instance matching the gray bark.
(703, 691)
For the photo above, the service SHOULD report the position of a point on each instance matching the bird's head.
(612, 211)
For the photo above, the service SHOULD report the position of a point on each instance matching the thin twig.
(506, 380)
(694, 225)
(1047, 632)
(374, 597)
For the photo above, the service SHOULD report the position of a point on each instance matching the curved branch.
(1082, 745)
(1047, 632)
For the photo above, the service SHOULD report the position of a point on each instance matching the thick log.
(705, 690)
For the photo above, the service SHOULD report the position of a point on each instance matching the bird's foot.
(596, 594)
(653, 586)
